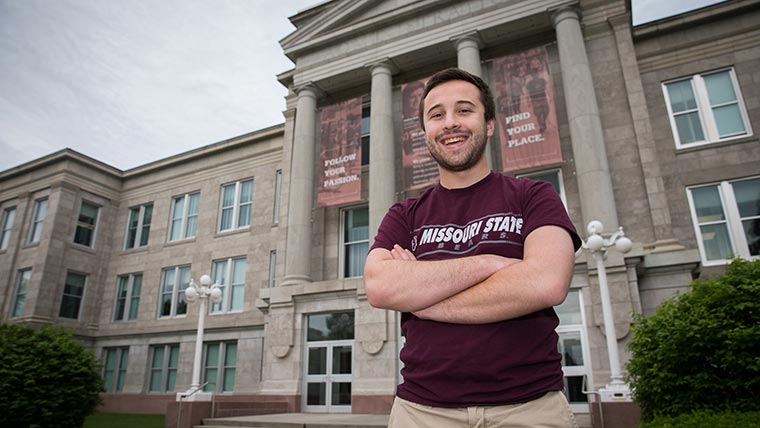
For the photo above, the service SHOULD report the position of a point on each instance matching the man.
(475, 265)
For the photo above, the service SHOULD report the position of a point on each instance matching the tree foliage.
(701, 350)
(47, 378)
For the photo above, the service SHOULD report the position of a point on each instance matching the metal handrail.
(182, 398)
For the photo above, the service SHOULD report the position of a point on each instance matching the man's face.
(455, 126)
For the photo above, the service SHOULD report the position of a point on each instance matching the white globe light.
(191, 294)
(595, 227)
(595, 242)
(623, 245)
(205, 280)
(216, 295)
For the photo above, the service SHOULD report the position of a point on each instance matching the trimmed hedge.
(701, 350)
(47, 378)
(705, 419)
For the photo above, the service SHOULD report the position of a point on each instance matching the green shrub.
(705, 419)
(47, 378)
(701, 350)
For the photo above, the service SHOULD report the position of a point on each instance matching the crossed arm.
(473, 290)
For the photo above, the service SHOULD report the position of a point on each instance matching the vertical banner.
(420, 169)
(526, 111)
(340, 171)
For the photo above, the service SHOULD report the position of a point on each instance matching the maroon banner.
(340, 171)
(525, 110)
(420, 169)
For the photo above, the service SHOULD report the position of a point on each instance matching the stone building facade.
(655, 129)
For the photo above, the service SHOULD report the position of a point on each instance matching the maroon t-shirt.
(456, 365)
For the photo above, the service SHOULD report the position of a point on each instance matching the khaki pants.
(549, 411)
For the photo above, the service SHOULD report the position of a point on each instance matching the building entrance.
(328, 370)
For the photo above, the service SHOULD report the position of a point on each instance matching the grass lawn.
(119, 420)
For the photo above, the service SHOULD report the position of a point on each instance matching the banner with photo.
(420, 169)
(525, 110)
(340, 171)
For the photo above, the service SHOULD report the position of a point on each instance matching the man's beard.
(476, 150)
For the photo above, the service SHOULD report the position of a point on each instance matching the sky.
(129, 82)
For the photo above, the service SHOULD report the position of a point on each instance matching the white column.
(468, 59)
(382, 174)
(301, 193)
(468, 54)
(592, 169)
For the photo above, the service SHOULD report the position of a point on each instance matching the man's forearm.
(540, 281)
(404, 284)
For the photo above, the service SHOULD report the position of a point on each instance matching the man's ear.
(490, 128)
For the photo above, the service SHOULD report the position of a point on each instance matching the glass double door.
(328, 376)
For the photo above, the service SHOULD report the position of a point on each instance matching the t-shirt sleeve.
(543, 207)
(394, 229)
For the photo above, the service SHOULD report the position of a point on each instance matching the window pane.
(176, 227)
(357, 224)
(569, 312)
(317, 361)
(9, 215)
(729, 120)
(244, 219)
(341, 363)
(121, 298)
(716, 242)
(573, 390)
(334, 326)
(720, 88)
(21, 290)
(122, 369)
(134, 218)
(316, 394)
(689, 128)
(341, 394)
(356, 255)
(708, 205)
(147, 217)
(192, 213)
(135, 303)
(228, 195)
(246, 191)
(184, 282)
(681, 96)
(747, 194)
(226, 219)
(570, 348)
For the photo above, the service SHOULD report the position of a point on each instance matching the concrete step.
(299, 420)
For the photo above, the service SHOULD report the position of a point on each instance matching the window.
(9, 215)
(127, 297)
(727, 219)
(219, 366)
(355, 241)
(174, 281)
(115, 368)
(73, 293)
(552, 177)
(230, 275)
(237, 199)
(366, 113)
(706, 108)
(277, 196)
(184, 216)
(164, 361)
(572, 345)
(22, 287)
(272, 268)
(138, 226)
(35, 232)
(88, 220)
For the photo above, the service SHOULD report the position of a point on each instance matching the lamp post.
(202, 292)
(617, 389)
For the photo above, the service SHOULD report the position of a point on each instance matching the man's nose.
(451, 122)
